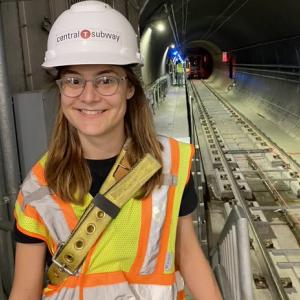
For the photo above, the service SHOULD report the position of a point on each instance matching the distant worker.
(108, 207)
(172, 72)
(180, 74)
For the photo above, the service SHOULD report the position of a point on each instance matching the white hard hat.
(91, 32)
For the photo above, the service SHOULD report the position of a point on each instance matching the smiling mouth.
(91, 112)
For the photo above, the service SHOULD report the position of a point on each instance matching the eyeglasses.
(73, 86)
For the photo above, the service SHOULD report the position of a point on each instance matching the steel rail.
(268, 183)
(275, 282)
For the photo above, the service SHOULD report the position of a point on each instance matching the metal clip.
(58, 250)
(62, 267)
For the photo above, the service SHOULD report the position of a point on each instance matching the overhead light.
(172, 46)
(160, 27)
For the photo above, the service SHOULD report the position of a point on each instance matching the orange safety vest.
(134, 258)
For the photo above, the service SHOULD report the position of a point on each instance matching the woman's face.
(92, 114)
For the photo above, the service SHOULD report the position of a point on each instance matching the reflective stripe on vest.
(184, 155)
(48, 209)
(120, 291)
(159, 209)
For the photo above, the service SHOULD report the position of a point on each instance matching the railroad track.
(244, 167)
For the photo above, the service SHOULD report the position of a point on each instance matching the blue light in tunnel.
(175, 55)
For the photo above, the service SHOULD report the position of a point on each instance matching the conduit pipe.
(9, 172)
(8, 142)
(171, 25)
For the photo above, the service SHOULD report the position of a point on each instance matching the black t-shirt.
(99, 170)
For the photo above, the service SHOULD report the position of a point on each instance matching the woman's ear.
(130, 92)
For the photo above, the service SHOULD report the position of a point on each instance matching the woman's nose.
(89, 93)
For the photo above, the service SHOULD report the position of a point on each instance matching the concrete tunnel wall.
(269, 95)
(153, 46)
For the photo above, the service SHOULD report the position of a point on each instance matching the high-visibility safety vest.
(179, 68)
(134, 257)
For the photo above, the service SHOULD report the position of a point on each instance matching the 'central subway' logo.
(88, 34)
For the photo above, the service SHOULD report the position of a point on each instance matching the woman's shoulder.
(171, 142)
(164, 138)
(35, 179)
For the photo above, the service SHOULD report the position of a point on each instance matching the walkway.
(171, 118)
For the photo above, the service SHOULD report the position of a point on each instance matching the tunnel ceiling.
(230, 24)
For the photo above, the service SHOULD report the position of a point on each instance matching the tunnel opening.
(199, 63)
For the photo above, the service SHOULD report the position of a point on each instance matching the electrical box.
(34, 114)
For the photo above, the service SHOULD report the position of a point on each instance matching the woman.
(103, 128)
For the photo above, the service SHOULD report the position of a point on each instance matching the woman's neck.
(101, 148)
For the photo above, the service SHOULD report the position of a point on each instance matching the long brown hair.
(66, 170)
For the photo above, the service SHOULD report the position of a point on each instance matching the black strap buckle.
(106, 205)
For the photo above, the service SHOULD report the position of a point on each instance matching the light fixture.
(160, 27)
(172, 46)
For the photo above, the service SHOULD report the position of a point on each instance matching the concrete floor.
(171, 118)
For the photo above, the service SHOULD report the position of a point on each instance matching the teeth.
(90, 112)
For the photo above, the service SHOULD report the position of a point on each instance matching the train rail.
(244, 168)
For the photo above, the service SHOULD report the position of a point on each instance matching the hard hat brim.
(90, 59)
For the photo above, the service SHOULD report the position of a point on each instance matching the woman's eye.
(104, 81)
(73, 81)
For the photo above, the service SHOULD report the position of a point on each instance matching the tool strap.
(119, 187)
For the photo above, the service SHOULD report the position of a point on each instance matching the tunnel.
(239, 98)
(260, 42)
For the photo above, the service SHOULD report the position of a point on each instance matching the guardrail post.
(157, 92)
(231, 258)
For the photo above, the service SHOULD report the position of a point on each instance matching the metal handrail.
(157, 91)
(231, 258)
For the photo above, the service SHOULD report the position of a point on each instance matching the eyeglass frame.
(118, 79)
